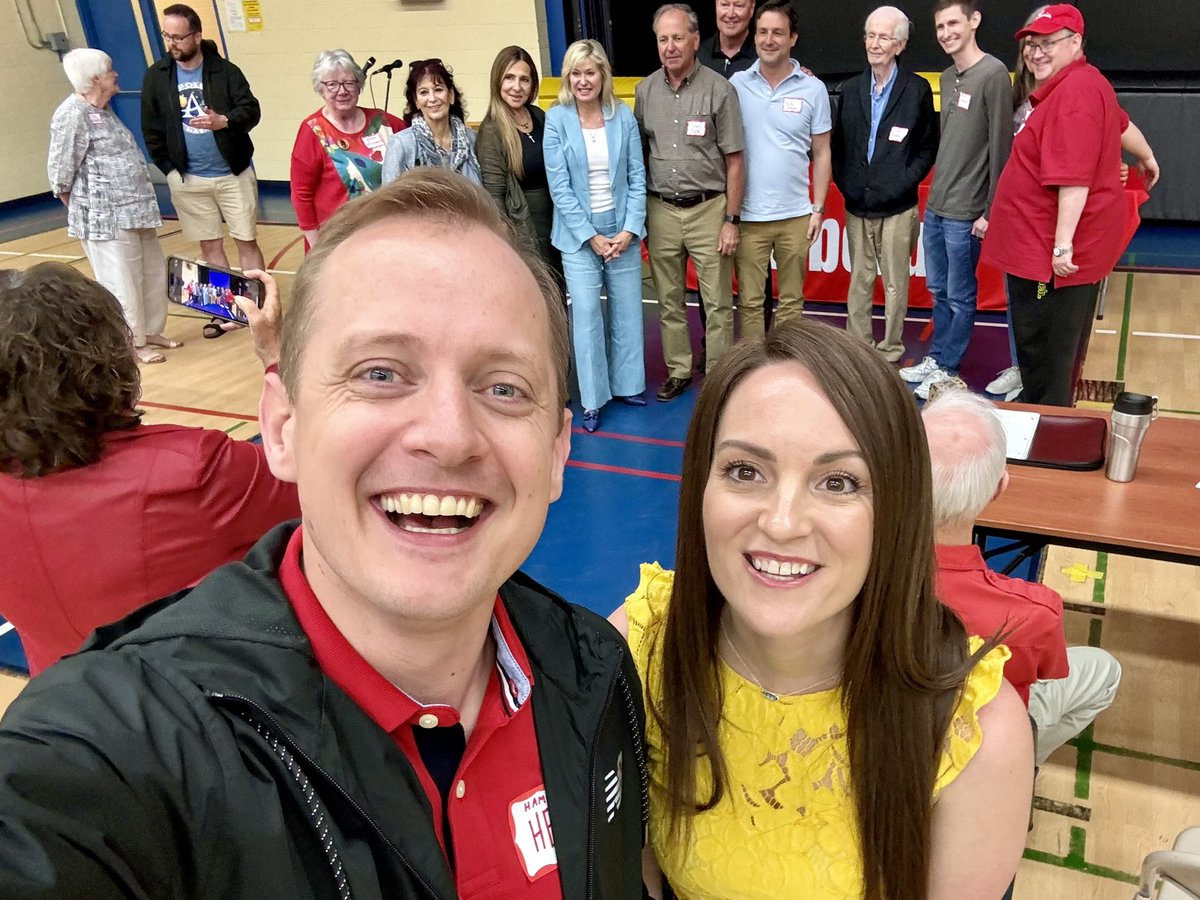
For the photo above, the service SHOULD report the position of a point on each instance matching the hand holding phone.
(265, 318)
(210, 289)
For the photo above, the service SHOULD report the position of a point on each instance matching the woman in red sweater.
(339, 149)
(103, 514)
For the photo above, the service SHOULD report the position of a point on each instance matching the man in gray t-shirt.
(976, 134)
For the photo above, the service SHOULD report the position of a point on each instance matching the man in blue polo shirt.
(785, 116)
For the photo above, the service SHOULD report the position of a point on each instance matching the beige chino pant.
(672, 235)
(789, 239)
(884, 246)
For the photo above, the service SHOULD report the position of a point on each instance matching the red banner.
(828, 276)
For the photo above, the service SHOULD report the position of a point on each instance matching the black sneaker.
(672, 388)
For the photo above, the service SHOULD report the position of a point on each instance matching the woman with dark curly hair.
(437, 133)
(102, 513)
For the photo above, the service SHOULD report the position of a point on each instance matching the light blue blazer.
(567, 172)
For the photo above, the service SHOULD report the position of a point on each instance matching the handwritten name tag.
(697, 127)
(793, 104)
(964, 101)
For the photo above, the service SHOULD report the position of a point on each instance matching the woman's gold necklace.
(772, 695)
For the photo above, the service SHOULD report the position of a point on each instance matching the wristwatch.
(819, 209)
(1062, 251)
(733, 220)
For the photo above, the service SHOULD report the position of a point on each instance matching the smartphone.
(210, 289)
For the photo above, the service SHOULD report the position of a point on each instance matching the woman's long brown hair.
(906, 657)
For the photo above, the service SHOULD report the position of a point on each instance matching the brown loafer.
(672, 388)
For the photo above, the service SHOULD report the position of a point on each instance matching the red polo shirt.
(1071, 139)
(499, 822)
(987, 602)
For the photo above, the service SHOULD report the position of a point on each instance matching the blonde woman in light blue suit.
(597, 178)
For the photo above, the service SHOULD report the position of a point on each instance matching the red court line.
(286, 247)
(621, 470)
(198, 411)
(634, 438)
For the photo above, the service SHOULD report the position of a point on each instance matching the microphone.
(367, 66)
(395, 64)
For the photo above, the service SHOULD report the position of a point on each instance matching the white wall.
(32, 84)
(277, 61)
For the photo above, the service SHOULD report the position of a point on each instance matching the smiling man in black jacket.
(372, 704)
(197, 113)
(885, 139)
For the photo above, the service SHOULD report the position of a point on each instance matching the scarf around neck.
(430, 153)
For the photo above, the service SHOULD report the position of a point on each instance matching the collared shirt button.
(674, 145)
(460, 789)
(676, 121)
(428, 720)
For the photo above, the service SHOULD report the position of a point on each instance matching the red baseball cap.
(1052, 18)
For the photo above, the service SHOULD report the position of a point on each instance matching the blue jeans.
(609, 361)
(951, 255)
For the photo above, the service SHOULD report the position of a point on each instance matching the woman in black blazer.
(509, 149)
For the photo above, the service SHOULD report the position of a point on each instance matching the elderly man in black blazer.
(885, 139)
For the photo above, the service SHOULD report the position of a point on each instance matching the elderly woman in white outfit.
(597, 178)
(97, 171)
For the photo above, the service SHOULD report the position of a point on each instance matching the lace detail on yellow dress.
(787, 828)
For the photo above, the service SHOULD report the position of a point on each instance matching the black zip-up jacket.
(888, 183)
(226, 91)
(195, 749)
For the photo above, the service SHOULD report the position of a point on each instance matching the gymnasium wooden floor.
(1124, 788)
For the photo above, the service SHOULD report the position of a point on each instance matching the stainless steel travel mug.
(1131, 418)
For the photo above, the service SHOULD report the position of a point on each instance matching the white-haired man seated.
(1064, 687)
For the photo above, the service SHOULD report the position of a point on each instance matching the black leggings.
(1050, 333)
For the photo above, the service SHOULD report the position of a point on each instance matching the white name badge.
(373, 141)
(793, 104)
(964, 101)
(897, 134)
(95, 118)
(697, 127)
(529, 821)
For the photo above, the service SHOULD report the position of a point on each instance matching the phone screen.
(210, 289)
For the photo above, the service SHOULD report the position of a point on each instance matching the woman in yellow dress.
(819, 726)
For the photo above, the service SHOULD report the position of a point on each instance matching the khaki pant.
(884, 246)
(789, 239)
(672, 235)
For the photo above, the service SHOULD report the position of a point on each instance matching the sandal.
(158, 340)
(218, 327)
(147, 355)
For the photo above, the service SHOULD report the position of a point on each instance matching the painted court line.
(621, 470)
(199, 411)
(6, 628)
(1166, 334)
(633, 438)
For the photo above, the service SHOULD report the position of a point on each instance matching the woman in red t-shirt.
(339, 149)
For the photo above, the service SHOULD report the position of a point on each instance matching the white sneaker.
(937, 376)
(1007, 383)
(918, 373)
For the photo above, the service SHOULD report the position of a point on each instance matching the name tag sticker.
(793, 104)
(95, 118)
(529, 821)
(696, 127)
(373, 141)
(964, 101)
(897, 134)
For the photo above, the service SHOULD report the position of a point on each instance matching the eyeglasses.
(885, 40)
(1036, 47)
(176, 38)
(334, 86)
